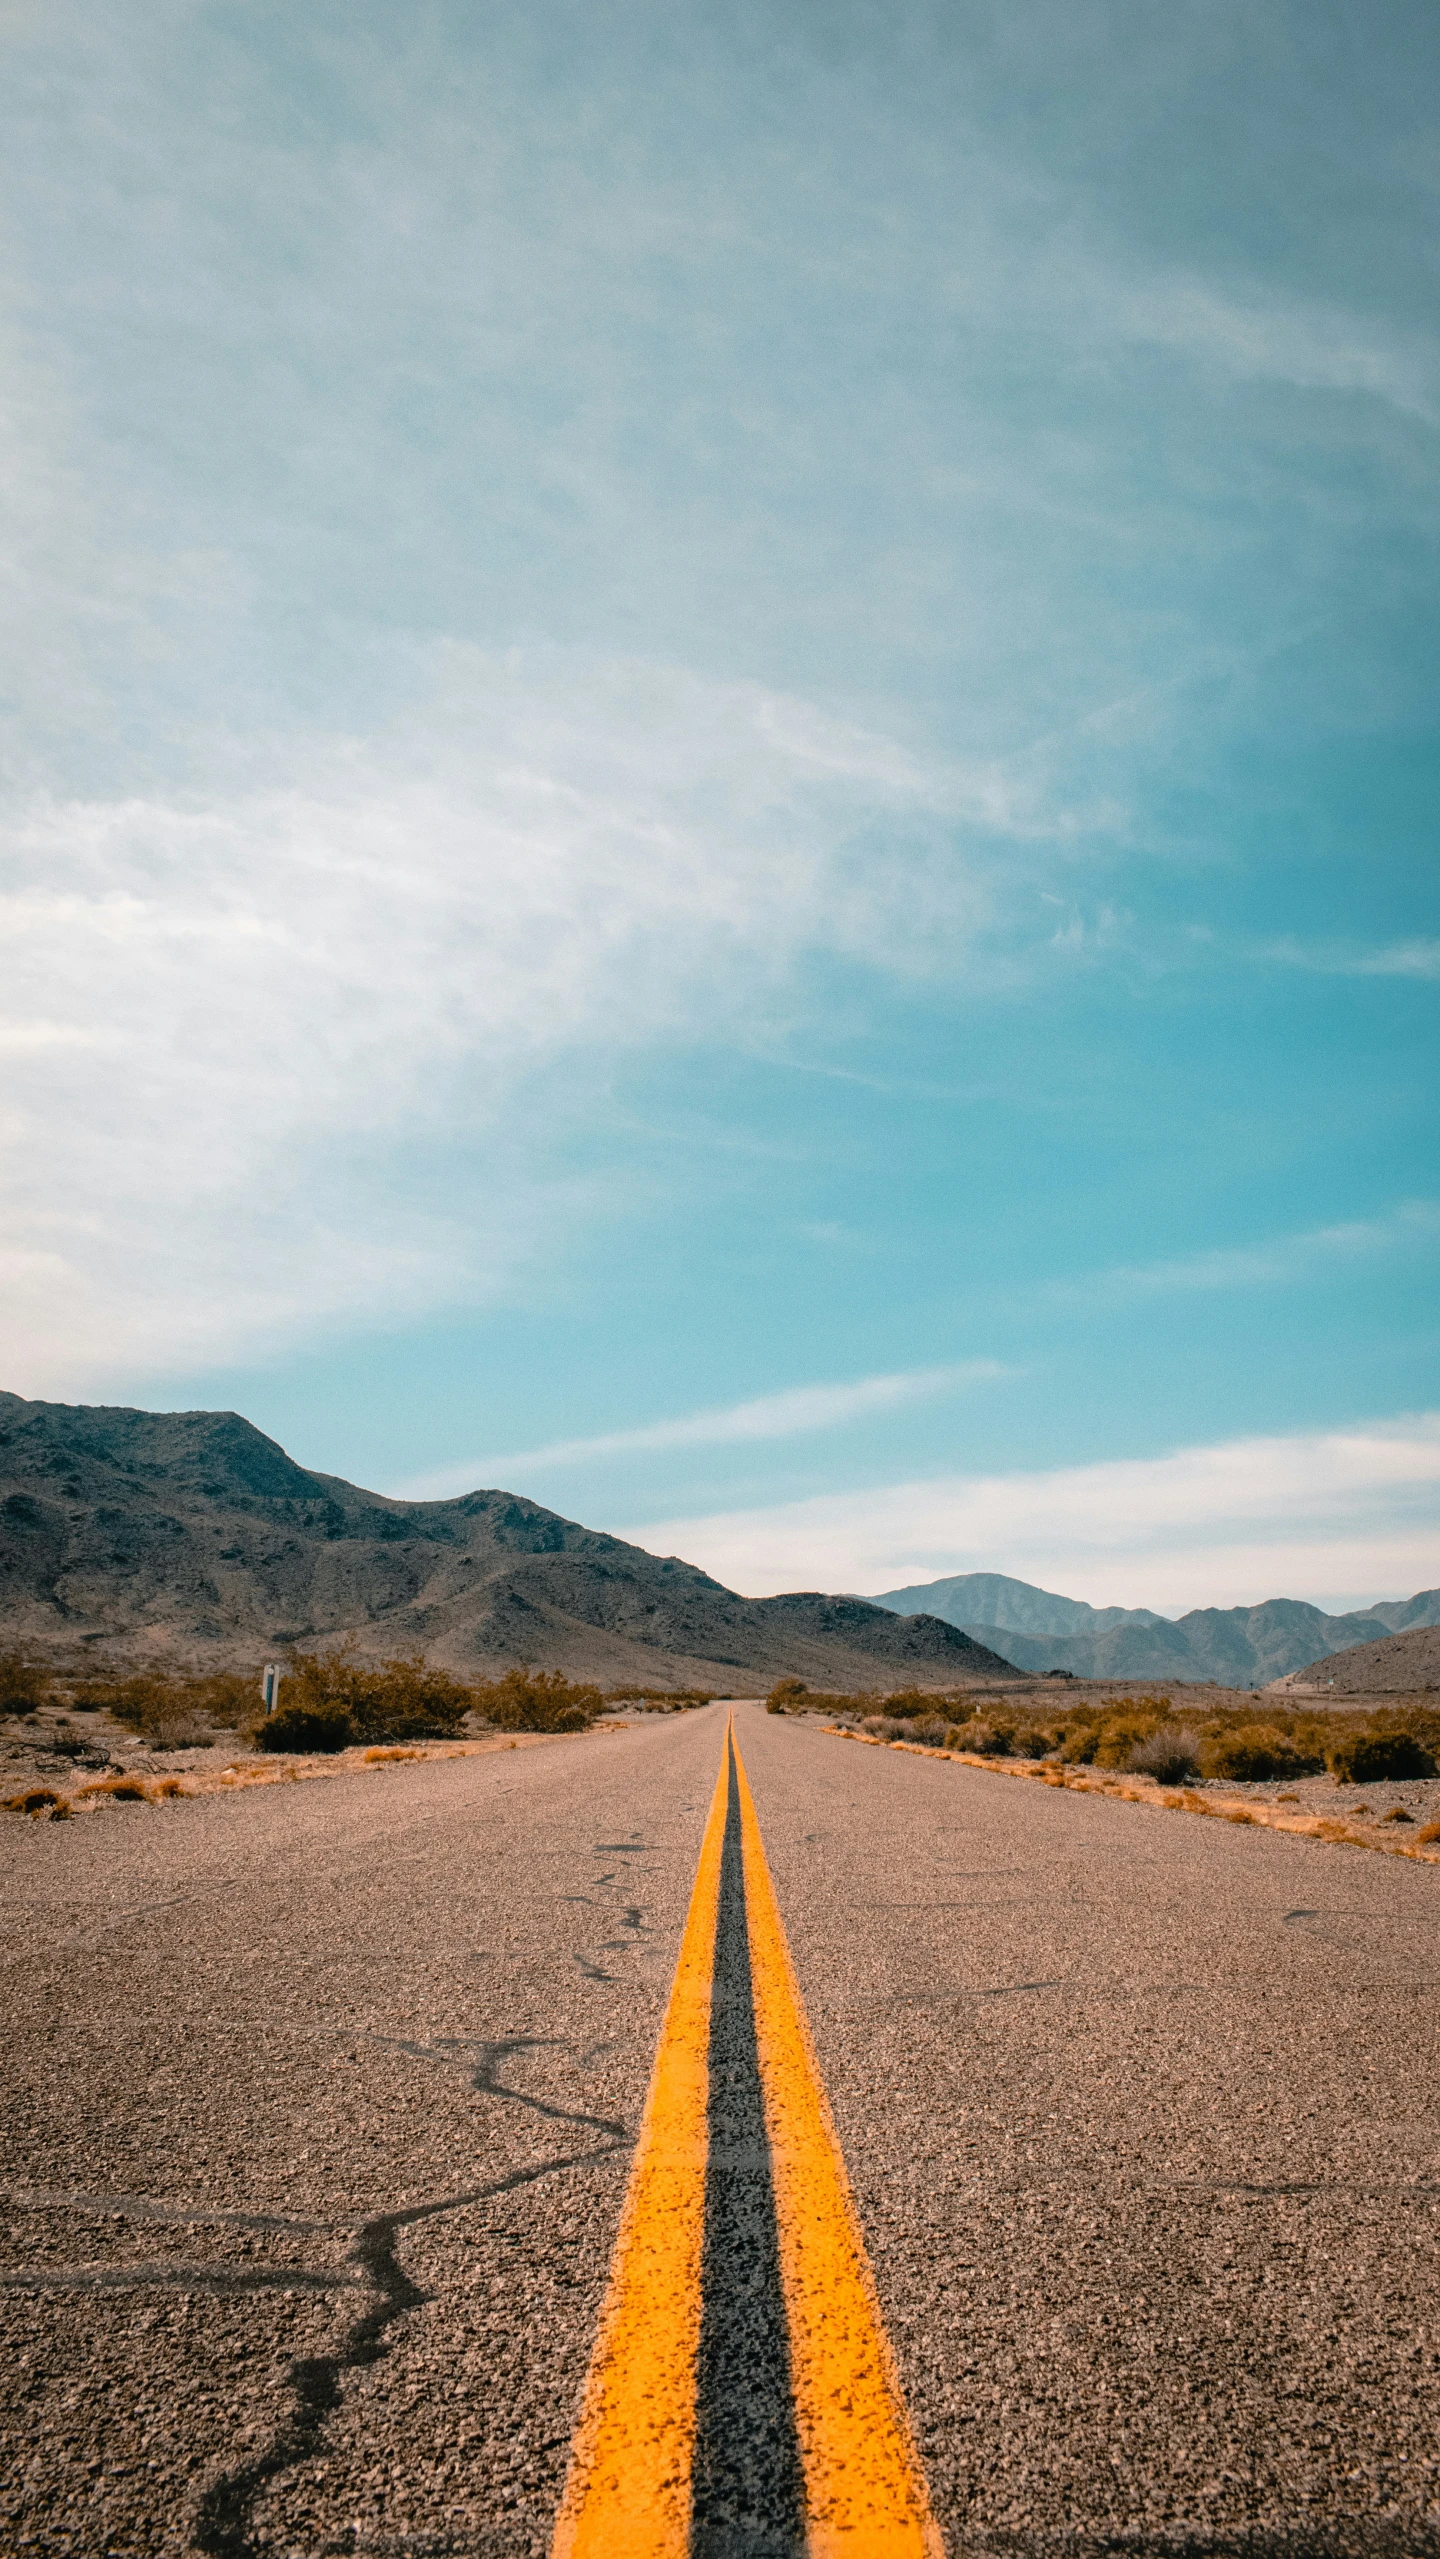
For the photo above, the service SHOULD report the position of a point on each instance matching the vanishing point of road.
(437, 2160)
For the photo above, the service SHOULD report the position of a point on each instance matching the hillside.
(1235, 1647)
(191, 1536)
(1393, 1664)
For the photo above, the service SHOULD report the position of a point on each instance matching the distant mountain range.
(191, 1536)
(1236, 1647)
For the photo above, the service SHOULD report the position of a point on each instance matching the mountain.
(1406, 1661)
(192, 1535)
(1398, 1614)
(1235, 1647)
(994, 1599)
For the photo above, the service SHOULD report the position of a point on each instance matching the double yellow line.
(629, 2491)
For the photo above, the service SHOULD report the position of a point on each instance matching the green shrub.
(1252, 1753)
(299, 1727)
(399, 1700)
(1079, 1745)
(1368, 1759)
(785, 1696)
(538, 1701)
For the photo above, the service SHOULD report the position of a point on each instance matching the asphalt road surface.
(321, 2102)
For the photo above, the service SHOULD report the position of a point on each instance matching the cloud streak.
(788, 1415)
(1276, 1261)
(1331, 1513)
(1417, 958)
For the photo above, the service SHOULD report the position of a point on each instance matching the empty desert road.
(321, 2104)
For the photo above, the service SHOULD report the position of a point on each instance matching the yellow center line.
(864, 2488)
(628, 2492)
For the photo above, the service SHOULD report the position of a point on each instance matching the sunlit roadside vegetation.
(330, 1700)
(1361, 1745)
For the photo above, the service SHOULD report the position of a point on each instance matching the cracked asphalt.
(319, 2103)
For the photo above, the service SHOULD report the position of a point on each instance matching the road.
(322, 2103)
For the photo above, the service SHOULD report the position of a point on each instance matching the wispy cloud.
(796, 1410)
(1310, 1516)
(310, 985)
(1312, 345)
(1270, 1262)
(1416, 958)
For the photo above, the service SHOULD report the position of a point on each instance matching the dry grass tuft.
(374, 1757)
(1430, 1832)
(117, 1790)
(163, 1790)
(35, 1799)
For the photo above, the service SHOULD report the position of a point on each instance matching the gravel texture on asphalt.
(320, 2101)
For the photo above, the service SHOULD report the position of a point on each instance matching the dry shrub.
(538, 1701)
(1253, 1753)
(117, 1790)
(1031, 1743)
(24, 1687)
(166, 1708)
(1369, 1759)
(373, 1758)
(164, 1790)
(661, 1701)
(986, 1740)
(932, 1730)
(35, 1799)
(1125, 1728)
(1428, 1835)
(792, 1697)
(1397, 1813)
(1168, 1755)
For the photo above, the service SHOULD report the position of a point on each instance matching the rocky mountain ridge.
(191, 1536)
(1394, 1665)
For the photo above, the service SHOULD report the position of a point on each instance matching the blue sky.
(721, 768)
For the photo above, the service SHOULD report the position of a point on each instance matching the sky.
(720, 768)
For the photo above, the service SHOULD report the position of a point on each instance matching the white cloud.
(796, 1410)
(238, 1021)
(1300, 1517)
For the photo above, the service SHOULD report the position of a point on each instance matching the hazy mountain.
(193, 1535)
(1237, 1647)
(994, 1599)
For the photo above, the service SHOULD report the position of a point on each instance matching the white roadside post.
(270, 1686)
